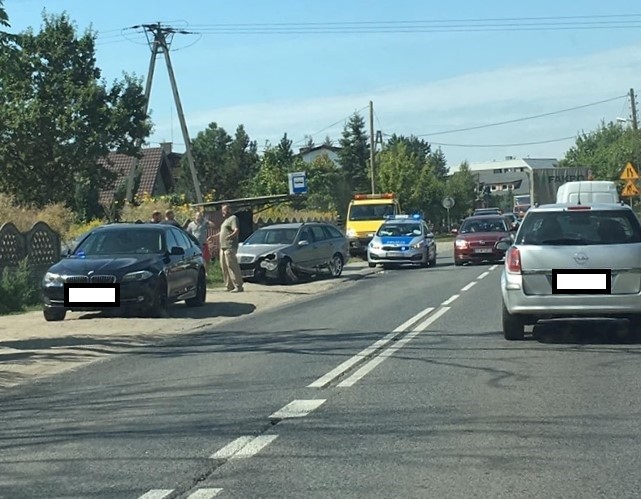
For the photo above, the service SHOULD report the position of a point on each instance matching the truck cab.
(365, 214)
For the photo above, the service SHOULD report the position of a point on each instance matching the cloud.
(463, 101)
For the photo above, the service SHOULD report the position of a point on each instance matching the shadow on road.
(586, 332)
(181, 311)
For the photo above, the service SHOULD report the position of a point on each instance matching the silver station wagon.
(572, 261)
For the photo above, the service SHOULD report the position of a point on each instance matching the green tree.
(209, 150)
(4, 18)
(438, 163)
(241, 165)
(59, 118)
(328, 189)
(354, 154)
(605, 150)
(328, 141)
(462, 187)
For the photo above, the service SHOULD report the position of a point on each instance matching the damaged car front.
(266, 254)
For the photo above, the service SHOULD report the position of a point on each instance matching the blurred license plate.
(394, 254)
(483, 250)
(248, 273)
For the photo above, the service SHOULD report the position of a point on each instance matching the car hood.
(483, 236)
(256, 250)
(117, 266)
(397, 241)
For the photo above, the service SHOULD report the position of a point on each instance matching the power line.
(550, 141)
(526, 118)
(342, 120)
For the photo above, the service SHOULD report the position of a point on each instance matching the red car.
(478, 237)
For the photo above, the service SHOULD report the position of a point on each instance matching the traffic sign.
(448, 202)
(297, 183)
(630, 190)
(629, 173)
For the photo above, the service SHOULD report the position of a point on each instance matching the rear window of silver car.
(585, 227)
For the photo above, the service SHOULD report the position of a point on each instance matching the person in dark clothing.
(170, 220)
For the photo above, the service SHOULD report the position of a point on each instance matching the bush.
(57, 216)
(18, 289)
(146, 204)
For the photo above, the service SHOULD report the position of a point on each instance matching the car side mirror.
(503, 245)
(429, 235)
(304, 242)
(454, 231)
(177, 251)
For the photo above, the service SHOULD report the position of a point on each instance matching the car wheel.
(286, 272)
(426, 263)
(158, 306)
(201, 292)
(513, 326)
(336, 265)
(458, 263)
(433, 260)
(54, 314)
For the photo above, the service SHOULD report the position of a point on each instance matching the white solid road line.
(469, 286)
(337, 371)
(205, 494)
(389, 351)
(298, 409)
(450, 300)
(156, 494)
(484, 274)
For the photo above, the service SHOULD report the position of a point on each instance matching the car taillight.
(513, 260)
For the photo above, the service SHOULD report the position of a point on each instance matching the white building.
(309, 154)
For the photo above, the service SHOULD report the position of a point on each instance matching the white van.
(589, 191)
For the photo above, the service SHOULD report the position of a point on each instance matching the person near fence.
(229, 236)
(199, 228)
(156, 217)
(170, 219)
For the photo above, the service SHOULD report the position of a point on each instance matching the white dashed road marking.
(353, 379)
(298, 409)
(337, 371)
(244, 447)
(450, 300)
(469, 286)
(493, 267)
(156, 494)
(205, 494)
(484, 274)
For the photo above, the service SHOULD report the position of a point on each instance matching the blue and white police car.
(402, 239)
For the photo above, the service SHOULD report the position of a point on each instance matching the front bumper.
(566, 306)
(388, 256)
(131, 294)
(474, 255)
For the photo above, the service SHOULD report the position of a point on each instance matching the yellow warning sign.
(629, 173)
(630, 190)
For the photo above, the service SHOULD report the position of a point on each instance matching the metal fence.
(40, 245)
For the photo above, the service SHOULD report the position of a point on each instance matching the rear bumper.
(469, 255)
(566, 306)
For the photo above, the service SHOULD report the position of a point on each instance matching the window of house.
(498, 170)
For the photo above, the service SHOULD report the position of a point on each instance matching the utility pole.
(633, 105)
(372, 144)
(161, 44)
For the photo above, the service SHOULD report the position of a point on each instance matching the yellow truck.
(365, 214)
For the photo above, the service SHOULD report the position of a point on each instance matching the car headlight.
(350, 233)
(374, 245)
(141, 275)
(52, 279)
(461, 243)
(418, 245)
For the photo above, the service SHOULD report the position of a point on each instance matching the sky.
(296, 67)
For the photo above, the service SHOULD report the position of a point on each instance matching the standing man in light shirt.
(229, 232)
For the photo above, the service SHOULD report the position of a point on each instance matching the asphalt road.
(281, 404)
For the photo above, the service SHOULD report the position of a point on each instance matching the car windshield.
(397, 230)
(120, 242)
(569, 228)
(272, 236)
(370, 211)
(493, 224)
